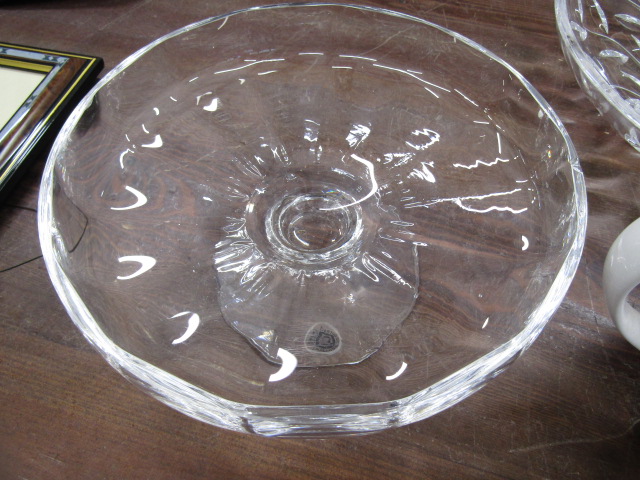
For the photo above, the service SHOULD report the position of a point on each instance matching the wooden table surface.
(568, 408)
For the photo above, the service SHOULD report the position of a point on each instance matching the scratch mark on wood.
(124, 15)
(575, 441)
(584, 312)
(595, 317)
(54, 459)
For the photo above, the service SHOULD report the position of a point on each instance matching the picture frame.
(38, 87)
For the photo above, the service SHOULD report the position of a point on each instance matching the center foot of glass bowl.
(314, 226)
(304, 269)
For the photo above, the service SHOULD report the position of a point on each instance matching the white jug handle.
(621, 275)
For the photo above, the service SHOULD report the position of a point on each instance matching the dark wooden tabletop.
(568, 408)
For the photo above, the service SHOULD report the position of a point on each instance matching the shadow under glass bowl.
(600, 40)
(312, 219)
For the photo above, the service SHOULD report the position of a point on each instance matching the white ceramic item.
(621, 276)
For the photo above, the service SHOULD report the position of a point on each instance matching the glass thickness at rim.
(309, 420)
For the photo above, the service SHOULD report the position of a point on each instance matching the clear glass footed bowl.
(601, 40)
(312, 219)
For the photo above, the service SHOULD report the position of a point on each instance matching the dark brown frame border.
(68, 76)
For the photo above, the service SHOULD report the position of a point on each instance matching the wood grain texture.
(568, 408)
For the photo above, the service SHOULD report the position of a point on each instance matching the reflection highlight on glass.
(192, 325)
(289, 364)
(141, 199)
(146, 263)
(400, 371)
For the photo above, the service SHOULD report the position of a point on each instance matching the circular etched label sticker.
(323, 338)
